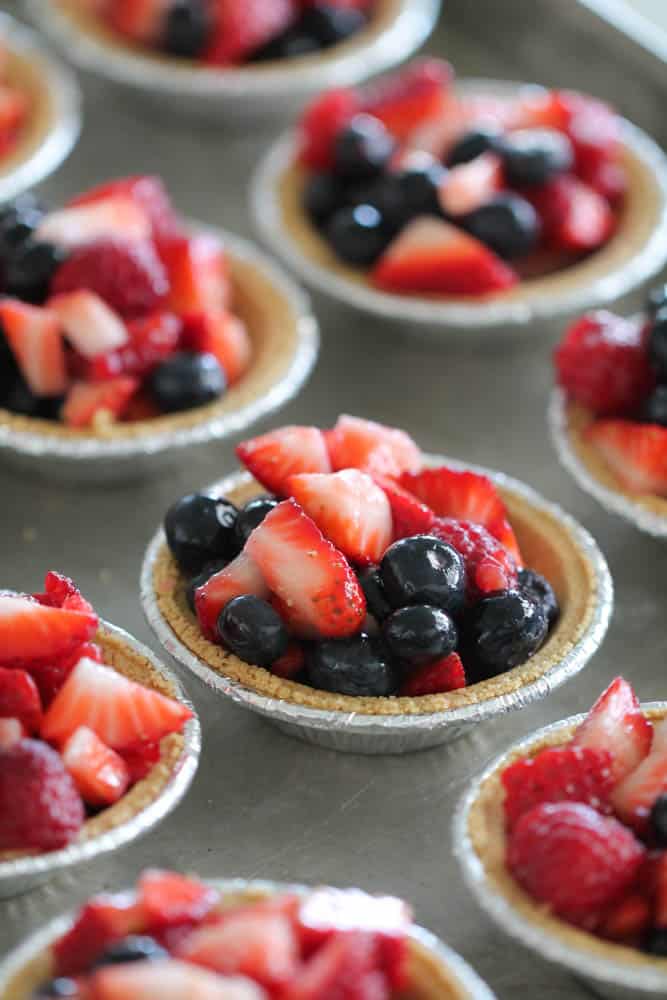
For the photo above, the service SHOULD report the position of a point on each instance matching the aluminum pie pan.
(613, 979)
(247, 91)
(502, 316)
(25, 873)
(466, 977)
(394, 734)
(614, 502)
(102, 460)
(58, 141)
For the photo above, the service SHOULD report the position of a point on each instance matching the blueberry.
(200, 529)
(655, 942)
(357, 235)
(135, 948)
(423, 570)
(30, 270)
(502, 631)
(533, 156)
(407, 193)
(60, 987)
(204, 575)
(657, 298)
(658, 820)
(252, 515)
(187, 28)
(420, 633)
(539, 590)
(657, 345)
(357, 666)
(250, 628)
(19, 399)
(473, 144)
(330, 24)
(363, 149)
(186, 380)
(18, 222)
(654, 410)
(9, 370)
(376, 600)
(322, 196)
(507, 223)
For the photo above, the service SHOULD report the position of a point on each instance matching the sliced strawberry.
(140, 759)
(138, 20)
(87, 401)
(119, 217)
(146, 191)
(272, 458)
(120, 711)
(151, 339)
(594, 129)
(411, 97)
(88, 323)
(321, 123)
(12, 731)
(443, 675)
(537, 107)
(49, 673)
(19, 698)
(409, 516)
(338, 969)
(309, 575)
(454, 493)
(467, 186)
(241, 576)
(169, 980)
(103, 921)
(609, 180)
(198, 273)
(223, 335)
(574, 217)
(635, 453)
(252, 943)
(34, 337)
(99, 773)
(168, 899)
(291, 663)
(634, 797)
(372, 447)
(627, 921)
(239, 29)
(430, 255)
(349, 509)
(29, 630)
(616, 723)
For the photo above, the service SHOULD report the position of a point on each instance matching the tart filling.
(18, 113)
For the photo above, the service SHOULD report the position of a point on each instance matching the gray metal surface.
(263, 804)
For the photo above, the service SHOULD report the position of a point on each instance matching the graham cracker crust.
(547, 546)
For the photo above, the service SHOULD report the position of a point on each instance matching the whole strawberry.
(603, 364)
(40, 807)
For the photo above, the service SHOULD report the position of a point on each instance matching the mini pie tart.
(127, 661)
(430, 977)
(486, 830)
(548, 547)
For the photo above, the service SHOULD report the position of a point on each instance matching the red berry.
(446, 674)
(322, 120)
(140, 759)
(152, 338)
(602, 363)
(489, 566)
(573, 859)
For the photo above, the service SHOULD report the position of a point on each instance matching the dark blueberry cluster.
(27, 264)
(654, 410)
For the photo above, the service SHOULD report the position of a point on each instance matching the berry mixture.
(361, 572)
(75, 735)
(177, 937)
(112, 310)
(429, 192)
(234, 32)
(616, 369)
(14, 108)
(586, 824)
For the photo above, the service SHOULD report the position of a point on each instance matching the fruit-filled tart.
(15, 106)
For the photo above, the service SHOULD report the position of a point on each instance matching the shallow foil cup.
(23, 969)
(610, 970)
(24, 873)
(635, 253)
(240, 93)
(54, 121)
(647, 513)
(586, 612)
(285, 339)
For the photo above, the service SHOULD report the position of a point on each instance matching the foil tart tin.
(59, 139)
(240, 94)
(393, 734)
(442, 319)
(615, 980)
(22, 874)
(102, 460)
(614, 503)
(466, 978)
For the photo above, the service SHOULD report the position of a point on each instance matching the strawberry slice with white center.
(241, 576)
(99, 773)
(119, 217)
(120, 711)
(372, 447)
(469, 185)
(29, 630)
(253, 943)
(169, 980)
(90, 325)
(87, 402)
(617, 723)
(636, 794)
(35, 339)
(456, 493)
(272, 458)
(12, 731)
(636, 453)
(430, 255)
(315, 584)
(145, 190)
(349, 509)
